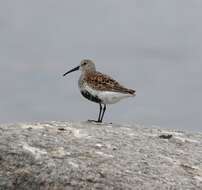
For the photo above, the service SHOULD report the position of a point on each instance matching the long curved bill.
(72, 70)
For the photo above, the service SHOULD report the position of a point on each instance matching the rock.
(65, 155)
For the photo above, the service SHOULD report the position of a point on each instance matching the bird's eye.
(84, 63)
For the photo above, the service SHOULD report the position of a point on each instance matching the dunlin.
(99, 88)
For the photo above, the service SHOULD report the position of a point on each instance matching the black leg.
(103, 112)
(99, 119)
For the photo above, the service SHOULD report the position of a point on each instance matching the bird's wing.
(102, 82)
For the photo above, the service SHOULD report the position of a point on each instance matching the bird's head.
(85, 65)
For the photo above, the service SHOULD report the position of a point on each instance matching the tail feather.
(131, 91)
(126, 91)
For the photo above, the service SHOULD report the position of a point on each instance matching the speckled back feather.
(102, 82)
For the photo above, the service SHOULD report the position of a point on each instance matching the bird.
(99, 88)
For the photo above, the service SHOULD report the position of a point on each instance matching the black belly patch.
(90, 97)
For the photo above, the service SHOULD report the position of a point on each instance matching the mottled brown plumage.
(102, 82)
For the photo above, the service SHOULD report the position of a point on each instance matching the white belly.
(112, 97)
(107, 97)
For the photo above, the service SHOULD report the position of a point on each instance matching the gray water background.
(153, 46)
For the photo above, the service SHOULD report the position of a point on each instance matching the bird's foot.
(94, 121)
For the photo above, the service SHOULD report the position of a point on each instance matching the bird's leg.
(104, 109)
(99, 119)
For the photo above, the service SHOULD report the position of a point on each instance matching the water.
(154, 47)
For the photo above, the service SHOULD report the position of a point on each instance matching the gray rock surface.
(65, 155)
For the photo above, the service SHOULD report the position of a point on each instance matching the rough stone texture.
(65, 155)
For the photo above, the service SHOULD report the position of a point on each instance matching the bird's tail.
(131, 91)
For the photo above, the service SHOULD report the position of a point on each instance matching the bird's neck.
(89, 71)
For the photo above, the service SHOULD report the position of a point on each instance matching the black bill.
(72, 70)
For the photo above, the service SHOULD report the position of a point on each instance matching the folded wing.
(102, 82)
